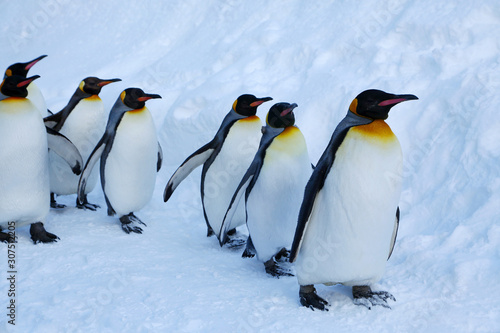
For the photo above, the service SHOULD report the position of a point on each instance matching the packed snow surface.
(200, 56)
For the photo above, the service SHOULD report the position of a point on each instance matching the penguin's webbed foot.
(310, 299)
(282, 255)
(130, 223)
(234, 242)
(86, 205)
(274, 269)
(53, 202)
(363, 295)
(40, 235)
(6, 238)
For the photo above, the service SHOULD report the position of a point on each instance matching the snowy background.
(201, 55)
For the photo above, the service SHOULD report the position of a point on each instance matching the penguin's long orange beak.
(27, 81)
(106, 82)
(260, 101)
(33, 62)
(147, 97)
(397, 99)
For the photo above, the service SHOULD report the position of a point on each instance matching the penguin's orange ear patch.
(122, 95)
(82, 84)
(234, 105)
(354, 105)
(8, 72)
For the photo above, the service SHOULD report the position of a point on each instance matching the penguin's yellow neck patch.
(137, 111)
(250, 119)
(376, 130)
(93, 98)
(354, 106)
(13, 99)
(290, 140)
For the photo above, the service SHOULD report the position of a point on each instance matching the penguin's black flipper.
(314, 185)
(63, 147)
(192, 162)
(53, 119)
(40, 235)
(160, 158)
(93, 158)
(394, 233)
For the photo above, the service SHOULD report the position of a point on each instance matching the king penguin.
(83, 121)
(130, 158)
(273, 186)
(225, 160)
(349, 215)
(34, 93)
(24, 169)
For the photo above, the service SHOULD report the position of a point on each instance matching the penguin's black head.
(281, 115)
(16, 86)
(376, 104)
(246, 105)
(135, 98)
(93, 85)
(22, 68)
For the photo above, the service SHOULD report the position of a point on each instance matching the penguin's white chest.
(225, 173)
(130, 166)
(24, 178)
(84, 127)
(274, 202)
(348, 237)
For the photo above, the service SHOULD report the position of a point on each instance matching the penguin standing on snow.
(349, 216)
(83, 121)
(34, 93)
(225, 160)
(273, 186)
(130, 158)
(24, 169)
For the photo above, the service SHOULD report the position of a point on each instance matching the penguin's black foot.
(235, 243)
(86, 205)
(363, 295)
(310, 299)
(130, 223)
(56, 205)
(6, 238)
(282, 255)
(274, 269)
(40, 235)
(53, 202)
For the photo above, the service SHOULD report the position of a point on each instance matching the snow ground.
(200, 56)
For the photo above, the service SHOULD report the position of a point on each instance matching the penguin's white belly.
(130, 167)
(225, 173)
(348, 237)
(36, 97)
(24, 180)
(274, 202)
(84, 128)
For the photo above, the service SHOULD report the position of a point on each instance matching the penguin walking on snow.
(225, 160)
(130, 158)
(349, 216)
(83, 121)
(273, 186)
(34, 93)
(24, 169)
